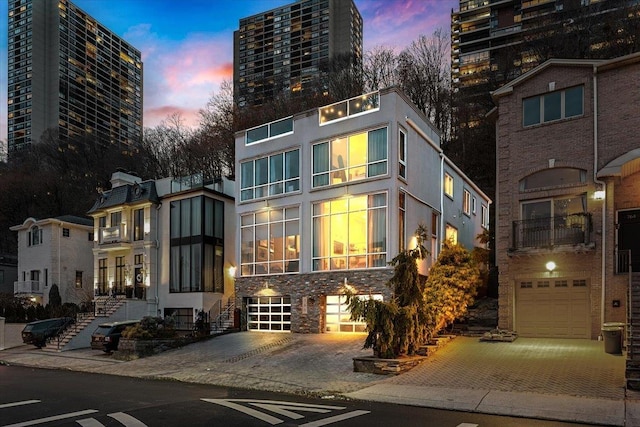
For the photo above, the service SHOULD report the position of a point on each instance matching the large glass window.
(197, 245)
(350, 233)
(270, 242)
(553, 106)
(451, 233)
(553, 221)
(350, 158)
(270, 176)
(138, 224)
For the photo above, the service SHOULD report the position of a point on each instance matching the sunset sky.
(187, 45)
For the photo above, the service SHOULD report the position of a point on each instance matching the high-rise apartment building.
(285, 49)
(495, 41)
(70, 75)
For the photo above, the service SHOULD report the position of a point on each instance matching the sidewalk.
(567, 380)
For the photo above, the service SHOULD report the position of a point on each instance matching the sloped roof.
(75, 219)
(126, 195)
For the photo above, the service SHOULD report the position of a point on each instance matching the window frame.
(338, 254)
(290, 182)
(449, 229)
(402, 153)
(448, 184)
(328, 170)
(278, 221)
(537, 107)
(466, 202)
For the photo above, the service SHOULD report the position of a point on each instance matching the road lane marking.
(90, 422)
(249, 411)
(24, 402)
(285, 409)
(53, 418)
(127, 419)
(467, 425)
(334, 419)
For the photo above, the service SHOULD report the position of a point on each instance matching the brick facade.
(569, 143)
(314, 286)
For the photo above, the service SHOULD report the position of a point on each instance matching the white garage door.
(269, 314)
(555, 308)
(339, 317)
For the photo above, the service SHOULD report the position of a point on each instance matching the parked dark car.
(38, 332)
(107, 336)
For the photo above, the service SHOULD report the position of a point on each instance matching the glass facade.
(350, 233)
(270, 242)
(197, 245)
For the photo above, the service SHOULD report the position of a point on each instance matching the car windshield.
(102, 330)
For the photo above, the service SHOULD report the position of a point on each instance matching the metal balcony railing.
(571, 229)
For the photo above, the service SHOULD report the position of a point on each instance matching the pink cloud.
(155, 116)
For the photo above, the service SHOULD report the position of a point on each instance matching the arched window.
(553, 177)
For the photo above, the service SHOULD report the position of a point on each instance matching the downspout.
(603, 184)
(157, 285)
(441, 233)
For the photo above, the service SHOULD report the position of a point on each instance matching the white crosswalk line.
(24, 402)
(467, 425)
(249, 411)
(334, 419)
(127, 419)
(53, 418)
(90, 422)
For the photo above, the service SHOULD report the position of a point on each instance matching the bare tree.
(380, 69)
(425, 76)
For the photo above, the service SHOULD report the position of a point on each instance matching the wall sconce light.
(232, 271)
(598, 195)
(550, 266)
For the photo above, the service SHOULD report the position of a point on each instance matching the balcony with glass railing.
(355, 106)
(574, 229)
(114, 235)
(31, 287)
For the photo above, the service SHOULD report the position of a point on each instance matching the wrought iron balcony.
(574, 229)
(27, 287)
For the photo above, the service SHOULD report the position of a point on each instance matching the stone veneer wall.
(314, 286)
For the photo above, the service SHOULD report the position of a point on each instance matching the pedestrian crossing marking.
(127, 419)
(53, 418)
(467, 425)
(24, 402)
(286, 409)
(124, 419)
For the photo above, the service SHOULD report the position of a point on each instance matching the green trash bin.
(612, 339)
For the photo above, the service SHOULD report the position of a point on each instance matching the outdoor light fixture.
(550, 266)
(598, 195)
(232, 271)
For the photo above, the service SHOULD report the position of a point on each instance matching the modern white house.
(328, 197)
(55, 251)
(165, 247)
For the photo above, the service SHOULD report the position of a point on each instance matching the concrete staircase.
(632, 372)
(107, 305)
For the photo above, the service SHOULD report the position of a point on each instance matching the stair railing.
(224, 315)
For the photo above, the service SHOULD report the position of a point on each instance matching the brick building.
(568, 199)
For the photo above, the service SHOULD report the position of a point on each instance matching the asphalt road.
(41, 397)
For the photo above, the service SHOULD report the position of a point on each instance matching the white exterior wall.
(57, 259)
(423, 184)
